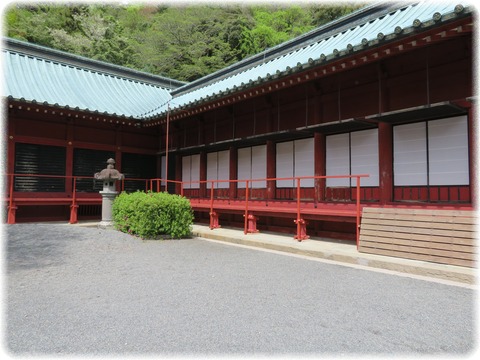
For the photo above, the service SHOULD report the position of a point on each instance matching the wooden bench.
(440, 236)
(345, 212)
(287, 209)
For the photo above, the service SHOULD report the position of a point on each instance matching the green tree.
(182, 42)
(273, 26)
(189, 42)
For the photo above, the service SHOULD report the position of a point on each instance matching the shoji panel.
(218, 165)
(410, 154)
(163, 170)
(212, 166)
(304, 160)
(186, 170)
(259, 165)
(195, 171)
(364, 156)
(448, 151)
(252, 164)
(285, 163)
(338, 159)
(191, 171)
(223, 168)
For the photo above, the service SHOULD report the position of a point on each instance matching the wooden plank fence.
(440, 236)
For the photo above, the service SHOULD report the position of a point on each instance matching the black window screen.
(87, 162)
(34, 159)
(138, 166)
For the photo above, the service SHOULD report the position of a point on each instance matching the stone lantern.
(109, 176)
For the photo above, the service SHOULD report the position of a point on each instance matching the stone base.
(105, 225)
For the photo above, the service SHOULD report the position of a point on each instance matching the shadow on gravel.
(32, 246)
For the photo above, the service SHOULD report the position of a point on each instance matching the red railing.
(66, 194)
(70, 195)
(300, 223)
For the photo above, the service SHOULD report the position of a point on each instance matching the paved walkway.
(331, 250)
(338, 251)
(73, 290)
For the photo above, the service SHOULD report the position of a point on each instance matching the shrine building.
(373, 113)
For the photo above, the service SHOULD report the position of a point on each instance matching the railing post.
(246, 207)
(358, 211)
(301, 224)
(214, 223)
(11, 205)
(250, 219)
(74, 206)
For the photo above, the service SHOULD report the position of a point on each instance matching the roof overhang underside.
(414, 114)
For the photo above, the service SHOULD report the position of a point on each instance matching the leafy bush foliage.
(150, 215)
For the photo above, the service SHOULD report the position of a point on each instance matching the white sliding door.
(218, 168)
(448, 151)
(252, 164)
(410, 154)
(338, 159)
(191, 171)
(284, 165)
(364, 156)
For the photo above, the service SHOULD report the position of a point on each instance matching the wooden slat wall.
(440, 236)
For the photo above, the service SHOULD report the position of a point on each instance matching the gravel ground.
(85, 291)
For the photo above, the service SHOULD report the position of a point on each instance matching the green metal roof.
(364, 29)
(41, 75)
(37, 74)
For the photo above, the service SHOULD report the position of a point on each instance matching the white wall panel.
(448, 151)
(218, 168)
(259, 165)
(195, 171)
(244, 165)
(364, 156)
(163, 168)
(304, 160)
(284, 165)
(186, 170)
(410, 154)
(212, 166)
(223, 168)
(338, 159)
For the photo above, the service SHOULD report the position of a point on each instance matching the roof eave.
(258, 86)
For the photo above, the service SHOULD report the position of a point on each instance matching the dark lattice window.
(138, 166)
(44, 160)
(87, 162)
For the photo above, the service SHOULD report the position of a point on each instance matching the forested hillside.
(181, 42)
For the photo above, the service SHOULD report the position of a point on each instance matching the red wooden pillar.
(70, 186)
(233, 172)
(472, 149)
(320, 165)
(203, 174)
(11, 145)
(12, 208)
(385, 162)
(271, 169)
(118, 148)
(178, 173)
(69, 157)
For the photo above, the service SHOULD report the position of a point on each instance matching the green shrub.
(150, 215)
